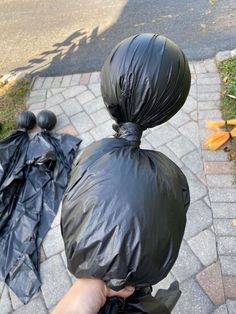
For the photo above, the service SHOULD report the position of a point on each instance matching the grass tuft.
(12, 101)
(228, 105)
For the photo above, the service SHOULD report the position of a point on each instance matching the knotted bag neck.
(130, 131)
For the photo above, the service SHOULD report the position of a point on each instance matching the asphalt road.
(58, 37)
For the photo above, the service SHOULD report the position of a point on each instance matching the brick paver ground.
(206, 266)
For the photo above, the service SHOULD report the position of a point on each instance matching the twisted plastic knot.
(130, 131)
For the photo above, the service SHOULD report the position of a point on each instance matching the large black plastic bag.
(124, 211)
(33, 179)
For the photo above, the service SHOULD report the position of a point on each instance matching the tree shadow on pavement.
(85, 51)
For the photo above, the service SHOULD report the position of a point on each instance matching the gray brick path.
(206, 266)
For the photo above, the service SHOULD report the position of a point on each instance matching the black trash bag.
(124, 211)
(141, 301)
(38, 178)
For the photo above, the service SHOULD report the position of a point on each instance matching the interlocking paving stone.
(228, 265)
(190, 130)
(204, 247)
(219, 194)
(209, 89)
(73, 91)
(84, 97)
(16, 302)
(57, 82)
(103, 130)
(164, 284)
(38, 83)
(198, 218)
(95, 78)
(49, 93)
(187, 264)
(72, 277)
(1, 287)
(162, 135)
(181, 146)
(38, 106)
(53, 242)
(66, 81)
(218, 155)
(57, 110)
(194, 115)
(201, 176)
(55, 91)
(216, 180)
(221, 310)
(179, 119)
(145, 144)
(62, 121)
(95, 88)
(36, 99)
(54, 100)
(85, 77)
(226, 246)
(196, 187)
(35, 306)
(86, 138)
(208, 80)
(218, 167)
(47, 82)
(57, 219)
(231, 304)
(193, 300)
(75, 79)
(230, 287)
(82, 122)
(193, 161)
(71, 107)
(55, 280)
(193, 90)
(224, 227)
(208, 96)
(5, 302)
(38, 92)
(209, 114)
(190, 105)
(68, 129)
(100, 116)
(94, 105)
(210, 280)
(224, 210)
(200, 67)
(210, 65)
(207, 105)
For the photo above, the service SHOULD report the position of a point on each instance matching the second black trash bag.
(33, 177)
(124, 211)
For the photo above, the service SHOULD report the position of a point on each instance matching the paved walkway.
(206, 266)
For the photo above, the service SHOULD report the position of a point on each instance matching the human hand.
(87, 296)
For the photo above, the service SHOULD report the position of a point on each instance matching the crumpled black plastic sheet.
(33, 177)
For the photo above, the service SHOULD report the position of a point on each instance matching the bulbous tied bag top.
(124, 211)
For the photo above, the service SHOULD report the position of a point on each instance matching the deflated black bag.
(124, 211)
(33, 177)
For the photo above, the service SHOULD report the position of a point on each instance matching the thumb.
(123, 293)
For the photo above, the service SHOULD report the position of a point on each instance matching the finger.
(123, 293)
